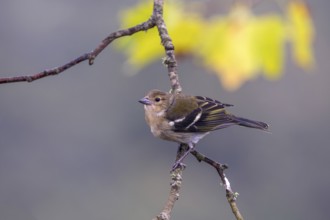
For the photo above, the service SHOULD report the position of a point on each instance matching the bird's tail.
(251, 123)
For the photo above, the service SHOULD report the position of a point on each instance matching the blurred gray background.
(76, 146)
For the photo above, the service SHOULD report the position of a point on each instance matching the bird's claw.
(178, 164)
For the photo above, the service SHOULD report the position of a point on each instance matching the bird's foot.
(178, 164)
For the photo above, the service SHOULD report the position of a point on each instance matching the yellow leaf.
(301, 31)
(269, 42)
(185, 31)
(227, 47)
(237, 46)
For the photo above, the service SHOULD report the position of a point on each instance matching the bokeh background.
(75, 146)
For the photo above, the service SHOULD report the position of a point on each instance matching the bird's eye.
(157, 99)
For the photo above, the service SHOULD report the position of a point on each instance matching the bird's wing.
(209, 115)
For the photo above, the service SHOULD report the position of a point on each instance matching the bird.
(186, 119)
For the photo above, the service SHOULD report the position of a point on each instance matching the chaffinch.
(187, 119)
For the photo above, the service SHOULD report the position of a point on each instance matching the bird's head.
(156, 101)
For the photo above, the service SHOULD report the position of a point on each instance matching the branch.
(176, 181)
(220, 168)
(176, 174)
(170, 60)
(87, 56)
(171, 63)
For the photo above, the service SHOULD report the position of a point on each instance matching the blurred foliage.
(236, 46)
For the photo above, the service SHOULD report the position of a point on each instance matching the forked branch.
(156, 19)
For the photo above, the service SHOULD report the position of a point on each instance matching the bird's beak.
(145, 101)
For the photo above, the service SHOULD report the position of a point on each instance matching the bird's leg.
(188, 151)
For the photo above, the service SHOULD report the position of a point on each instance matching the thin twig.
(87, 56)
(220, 168)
